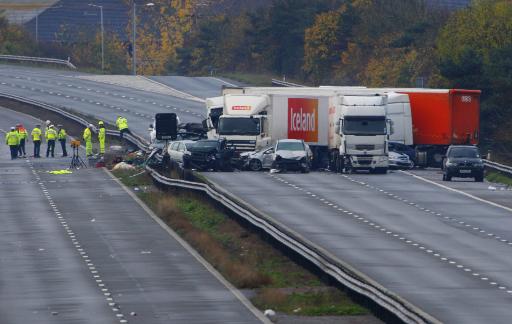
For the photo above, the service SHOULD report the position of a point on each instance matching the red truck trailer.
(440, 118)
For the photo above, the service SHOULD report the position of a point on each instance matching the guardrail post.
(488, 158)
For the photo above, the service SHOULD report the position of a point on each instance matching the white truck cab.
(358, 134)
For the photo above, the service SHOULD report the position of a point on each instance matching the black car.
(209, 155)
(463, 161)
(403, 149)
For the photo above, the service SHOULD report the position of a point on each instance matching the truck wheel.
(255, 165)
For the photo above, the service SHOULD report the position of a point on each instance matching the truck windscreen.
(239, 126)
(364, 125)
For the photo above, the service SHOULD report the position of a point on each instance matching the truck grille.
(364, 160)
(242, 146)
(365, 147)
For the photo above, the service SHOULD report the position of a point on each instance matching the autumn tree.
(474, 50)
(161, 31)
(321, 48)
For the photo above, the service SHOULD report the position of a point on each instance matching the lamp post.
(37, 21)
(102, 39)
(134, 33)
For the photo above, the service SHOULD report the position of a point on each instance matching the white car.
(178, 149)
(292, 154)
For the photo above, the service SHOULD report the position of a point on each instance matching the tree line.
(375, 43)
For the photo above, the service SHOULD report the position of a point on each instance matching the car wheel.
(255, 165)
(444, 177)
(448, 177)
(479, 178)
(305, 170)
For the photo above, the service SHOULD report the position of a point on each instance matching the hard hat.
(13, 128)
(90, 126)
(100, 122)
(18, 125)
(47, 122)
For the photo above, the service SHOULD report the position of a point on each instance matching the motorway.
(77, 248)
(444, 247)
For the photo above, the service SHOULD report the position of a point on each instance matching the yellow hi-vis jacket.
(36, 134)
(51, 134)
(12, 138)
(101, 134)
(22, 134)
(87, 135)
(121, 123)
(62, 134)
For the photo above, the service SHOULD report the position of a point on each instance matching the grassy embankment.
(243, 257)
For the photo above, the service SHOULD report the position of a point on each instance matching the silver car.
(292, 154)
(178, 149)
(399, 161)
(258, 160)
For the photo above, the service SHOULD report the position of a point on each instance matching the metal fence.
(38, 60)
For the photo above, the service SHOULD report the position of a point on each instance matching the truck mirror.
(391, 129)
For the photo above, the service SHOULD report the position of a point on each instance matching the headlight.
(450, 164)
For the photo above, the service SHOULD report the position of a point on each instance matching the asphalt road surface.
(202, 87)
(77, 248)
(414, 238)
(445, 247)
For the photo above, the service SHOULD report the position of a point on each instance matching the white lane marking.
(388, 232)
(194, 253)
(458, 191)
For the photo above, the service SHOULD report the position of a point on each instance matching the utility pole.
(102, 38)
(37, 28)
(134, 33)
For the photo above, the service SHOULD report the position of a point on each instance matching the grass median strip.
(498, 177)
(269, 277)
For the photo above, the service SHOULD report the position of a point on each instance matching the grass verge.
(498, 177)
(242, 256)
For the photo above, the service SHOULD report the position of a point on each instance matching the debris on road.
(123, 166)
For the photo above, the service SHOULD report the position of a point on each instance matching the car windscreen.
(464, 152)
(189, 145)
(290, 146)
(364, 125)
(205, 144)
(239, 126)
